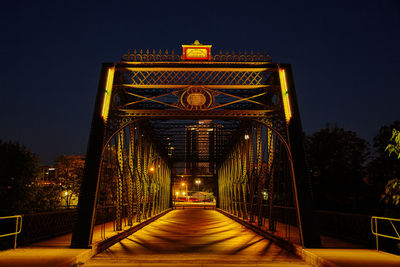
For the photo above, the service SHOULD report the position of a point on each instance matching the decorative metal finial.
(197, 42)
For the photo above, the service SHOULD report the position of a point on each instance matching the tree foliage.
(69, 176)
(395, 146)
(392, 188)
(336, 159)
(18, 171)
(383, 169)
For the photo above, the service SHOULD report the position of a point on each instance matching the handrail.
(18, 227)
(374, 224)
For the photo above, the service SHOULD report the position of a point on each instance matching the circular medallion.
(196, 98)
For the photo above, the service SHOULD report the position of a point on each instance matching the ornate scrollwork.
(161, 56)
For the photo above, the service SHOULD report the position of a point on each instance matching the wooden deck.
(195, 237)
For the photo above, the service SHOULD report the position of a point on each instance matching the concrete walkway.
(190, 237)
(195, 237)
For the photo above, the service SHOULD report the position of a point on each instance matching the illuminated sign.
(196, 51)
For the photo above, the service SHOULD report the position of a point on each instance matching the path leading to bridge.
(195, 237)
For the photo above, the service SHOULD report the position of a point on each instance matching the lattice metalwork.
(141, 177)
(257, 156)
(173, 77)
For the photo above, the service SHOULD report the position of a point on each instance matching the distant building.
(66, 173)
(47, 175)
(203, 142)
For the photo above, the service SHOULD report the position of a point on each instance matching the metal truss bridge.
(170, 130)
(165, 119)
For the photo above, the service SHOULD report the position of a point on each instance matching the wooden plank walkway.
(195, 237)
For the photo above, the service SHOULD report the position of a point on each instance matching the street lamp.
(198, 184)
(185, 193)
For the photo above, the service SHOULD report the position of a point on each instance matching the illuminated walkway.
(191, 237)
(195, 237)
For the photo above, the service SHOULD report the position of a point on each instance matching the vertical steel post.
(85, 215)
(120, 148)
(138, 173)
(271, 178)
(130, 177)
(261, 180)
(305, 209)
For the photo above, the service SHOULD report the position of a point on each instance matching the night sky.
(344, 55)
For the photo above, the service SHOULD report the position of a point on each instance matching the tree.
(392, 188)
(384, 169)
(69, 176)
(336, 158)
(395, 147)
(18, 170)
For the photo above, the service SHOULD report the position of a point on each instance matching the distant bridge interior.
(164, 120)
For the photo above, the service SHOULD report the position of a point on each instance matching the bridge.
(228, 121)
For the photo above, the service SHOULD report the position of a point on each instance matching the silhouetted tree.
(18, 171)
(336, 159)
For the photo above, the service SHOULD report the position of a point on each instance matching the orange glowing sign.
(196, 51)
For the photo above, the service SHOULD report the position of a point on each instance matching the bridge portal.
(229, 120)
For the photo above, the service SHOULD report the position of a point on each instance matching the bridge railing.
(18, 227)
(44, 225)
(351, 227)
(387, 229)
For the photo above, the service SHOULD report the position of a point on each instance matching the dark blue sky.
(344, 55)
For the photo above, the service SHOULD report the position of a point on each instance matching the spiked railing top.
(164, 56)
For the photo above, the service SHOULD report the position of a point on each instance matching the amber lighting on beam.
(285, 95)
(107, 93)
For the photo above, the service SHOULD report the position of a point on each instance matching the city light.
(151, 169)
(246, 137)
(198, 184)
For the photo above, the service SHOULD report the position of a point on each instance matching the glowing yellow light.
(183, 184)
(151, 169)
(246, 137)
(66, 193)
(177, 193)
(107, 93)
(285, 95)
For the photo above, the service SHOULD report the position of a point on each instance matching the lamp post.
(198, 184)
(185, 194)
